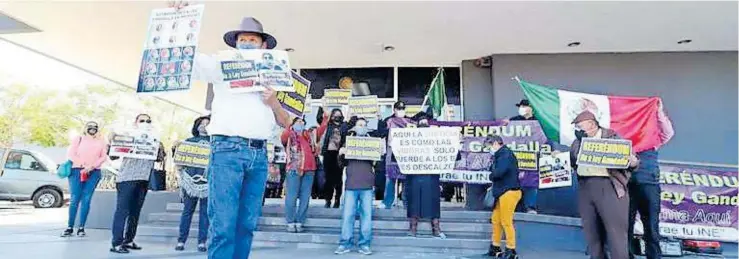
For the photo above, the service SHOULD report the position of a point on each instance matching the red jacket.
(301, 153)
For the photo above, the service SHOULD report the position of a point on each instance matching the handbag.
(65, 169)
(158, 176)
(320, 177)
(489, 199)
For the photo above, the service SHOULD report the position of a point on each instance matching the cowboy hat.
(249, 25)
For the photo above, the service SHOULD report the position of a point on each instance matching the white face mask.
(400, 113)
(145, 126)
(522, 111)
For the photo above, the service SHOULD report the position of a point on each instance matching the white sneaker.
(365, 250)
(342, 250)
(532, 212)
(290, 227)
(298, 228)
(381, 206)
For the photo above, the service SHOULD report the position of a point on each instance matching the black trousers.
(334, 183)
(645, 199)
(130, 199)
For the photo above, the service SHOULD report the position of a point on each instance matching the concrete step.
(377, 224)
(329, 237)
(447, 215)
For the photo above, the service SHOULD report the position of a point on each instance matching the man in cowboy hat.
(603, 198)
(239, 128)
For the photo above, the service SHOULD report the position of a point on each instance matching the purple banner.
(518, 135)
(699, 203)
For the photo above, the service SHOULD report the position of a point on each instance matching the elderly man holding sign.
(603, 199)
(241, 123)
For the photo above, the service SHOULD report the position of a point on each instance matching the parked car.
(31, 176)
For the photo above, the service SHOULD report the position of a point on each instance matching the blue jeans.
(389, 198)
(130, 198)
(645, 199)
(236, 181)
(298, 188)
(529, 197)
(186, 218)
(357, 201)
(81, 195)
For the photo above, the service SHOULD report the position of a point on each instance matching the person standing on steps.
(602, 195)
(301, 166)
(194, 190)
(87, 153)
(392, 173)
(507, 192)
(530, 189)
(424, 196)
(333, 133)
(360, 181)
(132, 184)
(241, 124)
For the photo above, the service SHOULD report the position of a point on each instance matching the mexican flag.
(639, 119)
(436, 96)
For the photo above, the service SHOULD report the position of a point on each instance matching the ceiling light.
(289, 49)
(388, 48)
(573, 44)
(685, 41)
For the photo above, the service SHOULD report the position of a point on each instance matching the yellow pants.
(502, 218)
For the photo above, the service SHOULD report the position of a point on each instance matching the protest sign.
(364, 148)
(336, 97)
(604, 153)
(363, 106)
(425, 150)
(527, 160)
(698, 203)
(252, 70)
(192, 155)
(294, 102)
(169, 50)
(555, 171)
(134, 144)
(392, 171)
(469, 177)
(526, 136)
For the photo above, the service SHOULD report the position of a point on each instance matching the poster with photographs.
(133, 143)
(555, 171)
(251, 70)
(169, 50)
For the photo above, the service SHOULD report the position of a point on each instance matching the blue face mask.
(361, 131)
(246, 45)
(298, 128)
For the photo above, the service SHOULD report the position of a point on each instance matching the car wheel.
(47, 198)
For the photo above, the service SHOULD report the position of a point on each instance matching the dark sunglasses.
(144, 121)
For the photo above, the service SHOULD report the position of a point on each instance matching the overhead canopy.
(107, 38)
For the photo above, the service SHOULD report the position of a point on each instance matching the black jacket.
(504, 172)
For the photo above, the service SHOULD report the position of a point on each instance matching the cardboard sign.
(294, 102)
(527, 160)
(555, 171)
(192, 155)
(363, 106)
(134, 144)
(252, 70)
(169, 50)
(604, 153)
(364, 148)
(336, 97)
(425, 150)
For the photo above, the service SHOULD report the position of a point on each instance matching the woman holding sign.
(423, 194)
(193, 190)
(333, 132)
(301, 167)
